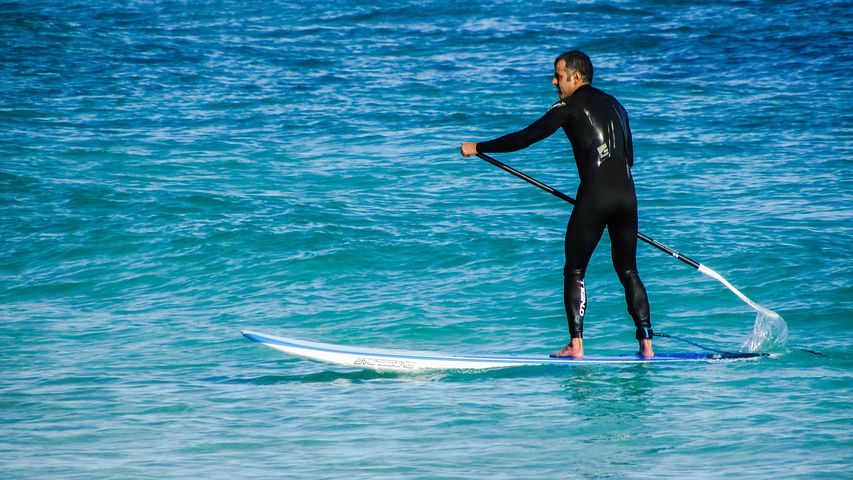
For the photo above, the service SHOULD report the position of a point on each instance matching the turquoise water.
(172, 173)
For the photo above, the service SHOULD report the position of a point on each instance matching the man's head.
(571, 70)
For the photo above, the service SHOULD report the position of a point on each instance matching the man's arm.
(536, 131)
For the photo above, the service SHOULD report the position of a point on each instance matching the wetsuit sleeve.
(629, 142)
(536, 131)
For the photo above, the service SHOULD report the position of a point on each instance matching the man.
(597, 127)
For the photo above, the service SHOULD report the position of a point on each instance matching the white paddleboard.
(412, 361)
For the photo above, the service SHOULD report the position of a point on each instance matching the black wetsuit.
(597, 127)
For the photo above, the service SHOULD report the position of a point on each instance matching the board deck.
(413, 361)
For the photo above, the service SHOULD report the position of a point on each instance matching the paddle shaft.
(563, 196)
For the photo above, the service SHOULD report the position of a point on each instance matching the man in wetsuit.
(597, 127)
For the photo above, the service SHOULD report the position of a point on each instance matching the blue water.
(174, 172)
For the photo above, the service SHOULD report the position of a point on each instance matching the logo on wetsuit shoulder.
(603, 153)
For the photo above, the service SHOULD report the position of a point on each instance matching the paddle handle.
(563, 196)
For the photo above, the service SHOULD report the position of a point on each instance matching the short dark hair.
(577, 61)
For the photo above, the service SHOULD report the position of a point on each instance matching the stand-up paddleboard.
(412, 361)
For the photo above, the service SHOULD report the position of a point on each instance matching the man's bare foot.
(572, 350)
(646, 348)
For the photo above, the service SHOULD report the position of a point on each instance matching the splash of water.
(769, 334)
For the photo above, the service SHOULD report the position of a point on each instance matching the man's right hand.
(468, 149)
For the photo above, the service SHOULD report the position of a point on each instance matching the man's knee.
(573, 272)
(628, 276)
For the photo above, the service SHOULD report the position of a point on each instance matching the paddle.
(766, 319)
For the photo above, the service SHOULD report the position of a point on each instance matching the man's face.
(566, 83)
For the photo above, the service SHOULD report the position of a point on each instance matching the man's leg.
(623, 242)
(582, 235)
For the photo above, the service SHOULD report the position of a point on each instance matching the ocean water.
(174, 172)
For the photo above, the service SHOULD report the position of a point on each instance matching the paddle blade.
(769, 333)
